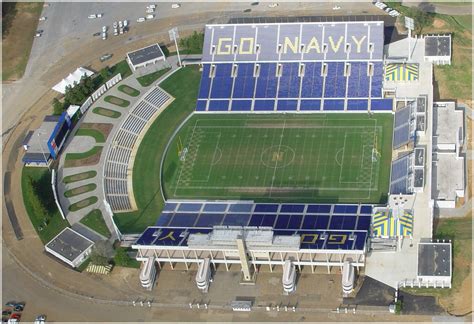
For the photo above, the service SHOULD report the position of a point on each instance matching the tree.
(104, 73)
(58, 107)
(121, 257)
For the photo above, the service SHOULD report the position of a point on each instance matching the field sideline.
(281, 157)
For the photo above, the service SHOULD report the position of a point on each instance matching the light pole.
(173, 33)
(42, 151)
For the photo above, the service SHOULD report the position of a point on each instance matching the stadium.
(299, 154)
(296, 147)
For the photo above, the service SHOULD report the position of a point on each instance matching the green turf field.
(281, 157)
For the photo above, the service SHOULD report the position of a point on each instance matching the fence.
(53, 185)
(99, 92)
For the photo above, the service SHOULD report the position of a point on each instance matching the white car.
(141, 19)
(152, 6)
(104, 29)
(336, 8)
(125, 23)
(120, 24)
(394, 13)
(120, 30)
(150, 10)
(175, 6)
(150, 16)
(42, 18)
(38, 35)
(273, 5)
(115, 24)
(115, 31)
(94, 16)
(99, 15)
(104, 35)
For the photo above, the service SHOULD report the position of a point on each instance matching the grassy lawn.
(128, 90)
(117, 101)
(80, 190)
(106, 112)
(97, 135)
(122, 259)
(183, 85)
(16, 46)
(84, 155)
(121, 67)
(83, 203)
(148, 79)
(95, 221)
(280, 158)
(80, 176)
(459, 230)
(39, 203)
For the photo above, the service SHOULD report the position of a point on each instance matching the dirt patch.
(17, 44)
(91, 160)
(104, 128)
(438, 23)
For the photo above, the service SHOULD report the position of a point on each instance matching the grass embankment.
(106, 112)
(17, 43)
(95, 221)
(80, 176)
(117, 101)
(97, 135)
(183, 85)
(128, 90)
(39, 203)
(83, 155)
(80, 190)
(457, 299)
(83, 203)
(455, 81)
(148, 79)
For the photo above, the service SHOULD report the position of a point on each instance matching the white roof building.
(72, 78)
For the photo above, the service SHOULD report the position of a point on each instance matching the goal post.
(375, 151)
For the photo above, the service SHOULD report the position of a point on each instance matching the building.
(70, 247)
(434, 264)
(145, 56)
(438, 49)
(448, 159)
(42, 146)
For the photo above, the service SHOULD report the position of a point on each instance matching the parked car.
(39, 31)
(40, 319)
(125, 23)
(93, 16)
(18, 308)
(273, 5)
(115, 24)
(150, 10)
(104, 35)
(121, 30)
(43, 18)
(6, 312)
(152, 6)
(38, 35)
(336, 8)
(175, 6)
(99, 15)
(141, 19)
(15, 316)
(11, 303)
(115, 31)
(150, 16)
(120, 24)
(104, 29)
(105, 57)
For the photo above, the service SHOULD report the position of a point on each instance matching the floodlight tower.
(410, 25)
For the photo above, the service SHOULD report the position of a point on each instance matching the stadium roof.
(37, 141)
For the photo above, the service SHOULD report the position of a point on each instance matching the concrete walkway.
(85, 143)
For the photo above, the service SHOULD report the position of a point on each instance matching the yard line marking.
(278, 153)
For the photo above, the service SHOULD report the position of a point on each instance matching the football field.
(281, 157)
